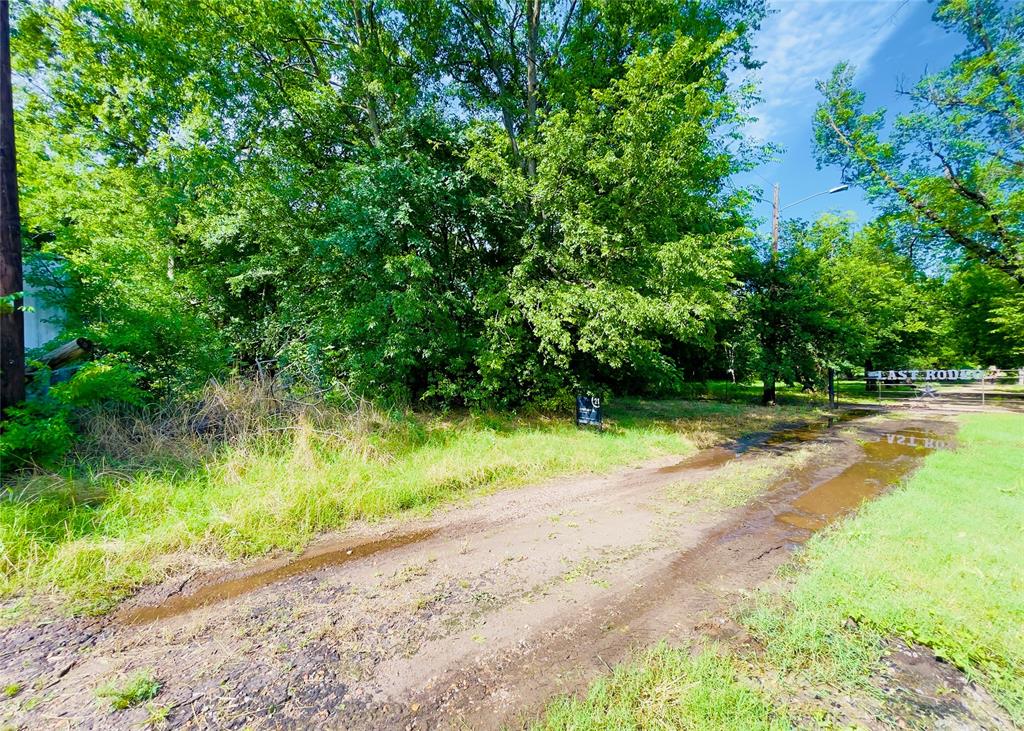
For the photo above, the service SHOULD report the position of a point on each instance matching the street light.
(775, 257)
(776, 210)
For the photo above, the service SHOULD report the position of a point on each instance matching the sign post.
(932, 383)
(588, 411)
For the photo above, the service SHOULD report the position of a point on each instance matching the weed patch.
(131, 692)
(95, 534)
(668, 688)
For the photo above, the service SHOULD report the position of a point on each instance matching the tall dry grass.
(237, 412)
(249, 468)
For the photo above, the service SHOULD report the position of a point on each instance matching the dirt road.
(472, 617)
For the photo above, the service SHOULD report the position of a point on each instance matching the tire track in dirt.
(677, 599)
(494, 607)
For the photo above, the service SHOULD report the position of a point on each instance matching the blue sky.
(889, 41)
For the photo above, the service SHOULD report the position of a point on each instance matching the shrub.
(106, 380)
(39, 431)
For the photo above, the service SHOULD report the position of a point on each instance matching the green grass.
(131, 692)
(157, 715)
(93, 537)
(667, 689)
(937, 562)
(847, 392)
(740, 481)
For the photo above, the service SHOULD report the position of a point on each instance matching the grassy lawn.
(94, 533)
(847, 392)
(667, 689)
(937, 562)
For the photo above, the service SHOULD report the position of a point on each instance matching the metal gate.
(992, 386)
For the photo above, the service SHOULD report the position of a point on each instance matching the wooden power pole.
(12, 324)
(775, 222)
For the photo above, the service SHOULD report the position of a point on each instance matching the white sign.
(934, 374)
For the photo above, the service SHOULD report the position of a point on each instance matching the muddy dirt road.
(474, 617)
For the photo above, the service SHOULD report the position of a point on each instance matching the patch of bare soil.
(472, 618)
(925, 692)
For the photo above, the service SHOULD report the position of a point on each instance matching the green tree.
(984, 317)
(790, 323)
(952, 167)
(454, 201)
(634, 243)
(614, 137)
(835, 298)
(182, 156)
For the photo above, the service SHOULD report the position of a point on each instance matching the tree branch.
(979, 250)
(973, 195)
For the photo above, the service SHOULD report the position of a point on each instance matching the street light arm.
(776, 210)
(837, 189)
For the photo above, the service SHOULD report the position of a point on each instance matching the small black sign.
(588, 410)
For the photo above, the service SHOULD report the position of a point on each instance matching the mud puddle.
(675, 596)
(214, 593)
(219, 591)
(888, 458)
(776, 440)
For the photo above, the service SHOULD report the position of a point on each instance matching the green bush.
(106, 380)
(39, 431)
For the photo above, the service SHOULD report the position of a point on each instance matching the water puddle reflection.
(790, 436)
(217, 592)
(888, 458)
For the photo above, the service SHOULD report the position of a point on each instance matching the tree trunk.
(532, 52)
(768, 396)
(364, 41)
(12, 324)
(69, 352)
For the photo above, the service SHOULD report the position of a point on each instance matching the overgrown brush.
(249, 469)
(233, 412)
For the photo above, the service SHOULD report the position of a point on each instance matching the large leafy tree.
(516, 61)
(984, 323)
(468, 199)
(952, 168)
(835, 298)
(214, 145)
(633, 244)
(610, 129)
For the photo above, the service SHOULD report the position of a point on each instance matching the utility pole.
(12, 324)
(776, 210)
(775, 221)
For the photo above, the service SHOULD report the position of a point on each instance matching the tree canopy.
(948, 175)
(487, 201)
(460, 200)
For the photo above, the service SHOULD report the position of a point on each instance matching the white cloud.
(803, 41)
